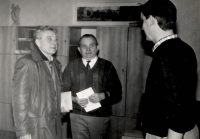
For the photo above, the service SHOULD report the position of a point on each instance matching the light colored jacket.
(35, 101)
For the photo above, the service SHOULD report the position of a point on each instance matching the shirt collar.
(164, 39)
(92, 61)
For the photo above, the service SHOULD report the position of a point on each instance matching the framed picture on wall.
(106, 13)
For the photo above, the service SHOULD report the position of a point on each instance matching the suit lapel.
(39, 57)
(57, 73)
(44, 66)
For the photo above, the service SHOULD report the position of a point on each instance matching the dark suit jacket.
(169, 98)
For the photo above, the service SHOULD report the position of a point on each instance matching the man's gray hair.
(37, 32)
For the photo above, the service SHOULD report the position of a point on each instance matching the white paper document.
(85, 94)
(66, 101)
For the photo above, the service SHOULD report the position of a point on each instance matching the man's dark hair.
(88, 36)
(39, 29)
(164, 11)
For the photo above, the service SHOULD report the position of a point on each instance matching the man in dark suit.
(100, 74)
(167, 107)
(36, 91)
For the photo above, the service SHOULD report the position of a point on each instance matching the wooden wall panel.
(6, 117)
(7, 39)
(137, 69)
(63, 60)
(6, 74)
(63, 40)
(130, 124)
(113, 47)
(116, 127)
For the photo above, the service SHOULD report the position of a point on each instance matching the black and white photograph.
(106, 13)
(100, 69)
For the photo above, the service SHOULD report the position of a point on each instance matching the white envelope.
(85, 94)
(66, 101)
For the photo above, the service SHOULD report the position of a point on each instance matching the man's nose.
(54, 42)
(88, 49)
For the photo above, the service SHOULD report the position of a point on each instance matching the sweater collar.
(158, 43)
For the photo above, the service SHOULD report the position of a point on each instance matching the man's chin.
(89, 57)
(147, 39)
(52, 53)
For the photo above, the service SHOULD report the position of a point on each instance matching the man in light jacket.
(36, 91)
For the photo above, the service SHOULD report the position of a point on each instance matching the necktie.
(50, 65)
(88, 65)
(52, 73)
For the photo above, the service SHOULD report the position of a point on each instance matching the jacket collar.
(38, 55)
(96, 65)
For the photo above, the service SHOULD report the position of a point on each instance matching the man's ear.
(153, 21)
(79, 48)
(37, 42)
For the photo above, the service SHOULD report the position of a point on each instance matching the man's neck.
(89, 59)
(49, 57)
(162, 34)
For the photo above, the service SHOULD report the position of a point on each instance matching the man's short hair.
(164, 11)
(39, 29)
(88, 36)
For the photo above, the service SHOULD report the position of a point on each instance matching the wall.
(4, 10)
(33, 12)
(7, 60)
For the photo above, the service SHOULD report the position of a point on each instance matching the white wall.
(51, 12)
(44, 12)
(4, 12)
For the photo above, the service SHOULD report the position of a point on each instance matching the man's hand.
(81, 102)
(26, 137)
(174, 135)
(95, 98)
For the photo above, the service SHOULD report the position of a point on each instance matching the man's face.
(146, 27)
(88, 48)
(48, 42)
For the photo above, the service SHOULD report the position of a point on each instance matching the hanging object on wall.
(15, 15)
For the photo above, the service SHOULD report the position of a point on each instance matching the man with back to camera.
(100, 74)
(37, 87)
(167, 107)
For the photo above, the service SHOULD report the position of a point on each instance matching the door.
(113, 47)
(138, 63)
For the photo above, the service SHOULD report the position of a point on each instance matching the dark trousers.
(88, 127)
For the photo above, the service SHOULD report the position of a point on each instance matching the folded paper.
(66, 101)
(85, 94)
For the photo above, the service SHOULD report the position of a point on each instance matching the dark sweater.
(169, 98)
(104, 78)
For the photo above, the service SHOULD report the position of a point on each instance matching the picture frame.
(112, 13)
